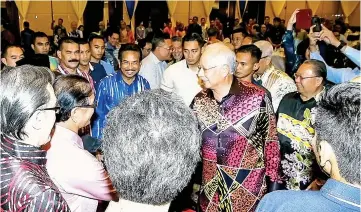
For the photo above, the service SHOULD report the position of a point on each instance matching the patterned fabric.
(295, 132)
(111, 91)
(110, 57)
(240, 147)
(278, 83)
(25, 184)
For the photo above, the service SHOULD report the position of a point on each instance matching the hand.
(292, 20)
(328, 36)
(314, 37)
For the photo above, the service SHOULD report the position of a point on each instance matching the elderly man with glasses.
(240, 149)
(277, 82)
(295, 125)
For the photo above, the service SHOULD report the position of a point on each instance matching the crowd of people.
(240, 117)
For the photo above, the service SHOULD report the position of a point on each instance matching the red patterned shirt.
(239, 147)
(25, 183)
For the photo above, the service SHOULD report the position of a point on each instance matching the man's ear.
(326, 156)
(225, 70)
(255, 66)
(4, 61)
(319, 81)
(32, 46)
(58, 53)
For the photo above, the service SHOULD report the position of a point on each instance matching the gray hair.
(338, 122)
(151, 146)
(23, 91)
(176, 39)
(222, 54)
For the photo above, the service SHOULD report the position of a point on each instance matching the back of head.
(212, 32)
(26, 24)
(220, 53)
(70, 91)
(23, 91)
(338, 121)
(151, 151)
(265, 47)
(251, 49)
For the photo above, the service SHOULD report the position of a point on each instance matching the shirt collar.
(155, 58)
(234, 89)
(319, 95)
(343, 192)
(23, 151)
(109, 46)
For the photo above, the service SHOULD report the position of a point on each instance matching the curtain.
(129, 11)
(238, 12)
(23, 7)
(348, 7)
(243, 7)
(313, 5)
(208, 5)
(172, 5)
(79, 7)
(277, 7)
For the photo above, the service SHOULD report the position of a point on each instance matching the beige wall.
(325, 10)
(182, 12)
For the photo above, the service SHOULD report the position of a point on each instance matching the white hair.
(222, 55)
(266, 48)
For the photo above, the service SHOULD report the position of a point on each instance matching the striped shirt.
(25, 184)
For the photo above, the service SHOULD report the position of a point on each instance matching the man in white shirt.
(181, 77)
(155, 63)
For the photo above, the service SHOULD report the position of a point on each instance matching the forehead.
(238, 35)
(84, 47)
(207, 62)
(168, 42)
(305, 69)
(243, 57)
(115, 35)
(41, 39)
(14, 51)
(148, 44)
(176, 43)
(98, 42)
(191, 45)
(130, 56)
(70, 46)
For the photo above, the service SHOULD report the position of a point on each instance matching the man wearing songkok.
(240, 149)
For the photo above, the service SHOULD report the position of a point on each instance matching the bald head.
(218, 53)
(266, 48)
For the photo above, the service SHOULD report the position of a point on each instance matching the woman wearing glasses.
(81, 178)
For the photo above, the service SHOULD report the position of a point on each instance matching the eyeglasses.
(55, 109)
(94, 105)
(169, 48)
(127, 63)
(302, 78)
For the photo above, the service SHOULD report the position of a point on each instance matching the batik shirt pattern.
(239, 147)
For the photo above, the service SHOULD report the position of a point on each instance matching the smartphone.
(317, 22)
(304, 19)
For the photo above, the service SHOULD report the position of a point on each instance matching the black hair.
(93, 37)
(39, 35)
(212, 31)
(82, 41)
(71, 91)
(26, 24)
(319, 68)
(240, 30)
(5, 51)
(255, 52)
(67, 40)
(159, 39)
(193, 37)
(277, 19)
(129, 47)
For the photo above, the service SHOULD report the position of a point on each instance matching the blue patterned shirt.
(111, 91)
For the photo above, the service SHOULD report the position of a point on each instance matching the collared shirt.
(64, 71)
(334, 196)
(295, 132)
(340, 75)
(239, 147)
(81, 178)
(25, 183)
(152, 70)
(111, 91)
(109, 55)
(178, 78)
(278, 83)
(97, 74)
(109, 69)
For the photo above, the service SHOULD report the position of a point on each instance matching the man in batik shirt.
(240, 149)
(295, 126)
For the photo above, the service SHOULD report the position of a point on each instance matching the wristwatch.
(342, 44)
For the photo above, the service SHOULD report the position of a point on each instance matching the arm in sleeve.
(353, 55)
(271, 148)
(337, 75)
(287, 41)
(101, 110)
(48, 200)
(91, 180)
(167, 81)
(147, 71)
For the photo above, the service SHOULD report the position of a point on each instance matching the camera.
(316, 21)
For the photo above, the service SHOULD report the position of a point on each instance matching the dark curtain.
(92, 15)
(156, 11)
(13, 20)
(115, 13)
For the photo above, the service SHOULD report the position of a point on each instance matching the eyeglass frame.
(55, 109)
(303, 78)
(94, 105)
